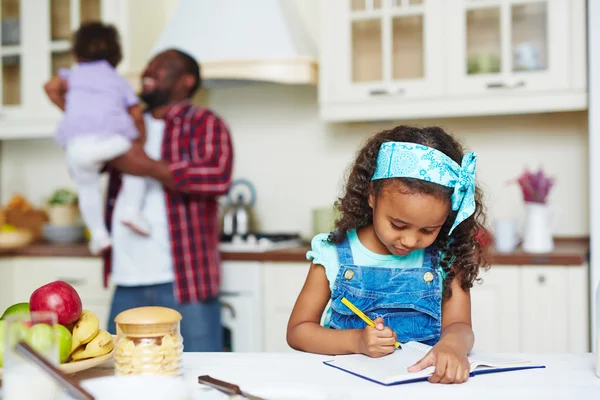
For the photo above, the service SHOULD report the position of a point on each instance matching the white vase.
(537, 232)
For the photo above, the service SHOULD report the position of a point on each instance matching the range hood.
(242, 41)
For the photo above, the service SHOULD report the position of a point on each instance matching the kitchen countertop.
(304, 376)
(568, 251)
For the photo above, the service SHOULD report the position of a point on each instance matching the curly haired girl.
(404, 251)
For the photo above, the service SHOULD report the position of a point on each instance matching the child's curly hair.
(95, 41)
(460, 257)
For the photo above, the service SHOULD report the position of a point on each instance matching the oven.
(241, 306)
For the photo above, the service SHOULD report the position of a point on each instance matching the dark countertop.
(568, 251)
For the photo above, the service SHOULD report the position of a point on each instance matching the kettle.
(237, 213)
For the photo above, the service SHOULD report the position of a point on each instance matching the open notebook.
(392, 369)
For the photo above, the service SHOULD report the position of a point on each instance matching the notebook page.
(388, 369)
(480, 359)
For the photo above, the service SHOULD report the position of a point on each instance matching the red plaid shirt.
(197, 144)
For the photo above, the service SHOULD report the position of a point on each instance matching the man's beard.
(156, 98)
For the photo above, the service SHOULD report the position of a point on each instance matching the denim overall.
(408, 299)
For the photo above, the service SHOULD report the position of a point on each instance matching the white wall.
(297, 162)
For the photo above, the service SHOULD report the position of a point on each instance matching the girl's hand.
(450, 366)
(377, 342)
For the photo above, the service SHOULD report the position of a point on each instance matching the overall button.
(349, 274)
(428, 277)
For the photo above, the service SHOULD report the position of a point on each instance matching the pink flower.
(535, 186)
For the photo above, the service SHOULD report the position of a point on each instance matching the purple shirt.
(97, 100)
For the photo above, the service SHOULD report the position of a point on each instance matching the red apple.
(59, 297)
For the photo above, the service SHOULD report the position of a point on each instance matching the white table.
(303, 376)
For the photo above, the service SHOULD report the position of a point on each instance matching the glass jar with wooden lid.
(149, 342)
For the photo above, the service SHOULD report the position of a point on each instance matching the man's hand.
(56, 89)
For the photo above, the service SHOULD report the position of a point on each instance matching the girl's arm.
(449, 355)
(305, 333)
(56, 88)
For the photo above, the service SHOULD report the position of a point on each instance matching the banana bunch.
(89, 340)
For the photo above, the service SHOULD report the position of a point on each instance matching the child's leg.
(85, 155)
(92, 211)
(132, 196)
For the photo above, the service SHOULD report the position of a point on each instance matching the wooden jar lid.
(148, 321)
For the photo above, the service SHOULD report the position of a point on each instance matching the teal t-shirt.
(324, 253)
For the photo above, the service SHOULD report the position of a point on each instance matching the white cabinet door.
(578, 306)
(241, 305)
(494, 310)
(553, 309)
(507, 46)
(84, 274)
(544, 309)
(23, 275)
(381, 50)
(38, 44)
(282, 283)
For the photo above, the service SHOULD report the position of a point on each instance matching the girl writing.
(102, 120)
(404, 252)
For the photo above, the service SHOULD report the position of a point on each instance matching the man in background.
(178, 265)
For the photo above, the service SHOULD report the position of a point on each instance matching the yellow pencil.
(362, 316)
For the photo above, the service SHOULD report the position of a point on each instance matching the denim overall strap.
(345, 252)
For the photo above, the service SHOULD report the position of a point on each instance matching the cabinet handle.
(502, 85)
(541, 279)
(228, 307)
(230, 294)
(386, 92)
(73, 281)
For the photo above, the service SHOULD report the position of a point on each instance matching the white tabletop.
(304, 376)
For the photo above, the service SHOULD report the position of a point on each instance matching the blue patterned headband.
(410, 160)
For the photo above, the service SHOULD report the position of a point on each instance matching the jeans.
(201, 323)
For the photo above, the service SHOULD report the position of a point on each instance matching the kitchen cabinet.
(495, 309)
(282, 283)
(22, 275)
(390, 50)
(554, 311)
(507, 45)
(241, 311)
(404, 59)
(531, 309)
(35, 43)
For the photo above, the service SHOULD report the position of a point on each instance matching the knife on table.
(226, 387)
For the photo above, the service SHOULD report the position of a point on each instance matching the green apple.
(16, 332)
(40, 337)
(13, 333)
(19, 308)
(1, 342)
(64, 338)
